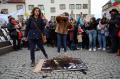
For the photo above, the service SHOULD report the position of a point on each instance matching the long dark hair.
(33, 11)
(103, 20)
(93, 20)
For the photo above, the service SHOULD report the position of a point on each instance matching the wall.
(47, 4)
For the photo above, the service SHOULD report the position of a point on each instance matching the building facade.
(108, 7)
(52, 8)
(10, 6)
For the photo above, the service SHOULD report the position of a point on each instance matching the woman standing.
(101, 33)
(61, 30)
(34, 29)
(92, 34)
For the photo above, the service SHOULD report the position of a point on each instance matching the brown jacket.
(62, 28)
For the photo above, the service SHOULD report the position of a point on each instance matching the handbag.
(43, 38)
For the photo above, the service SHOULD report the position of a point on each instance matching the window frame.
(29, 7)
(52, 9)
(62, 6)
(71, 6)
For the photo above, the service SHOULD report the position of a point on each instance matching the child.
(79, 38)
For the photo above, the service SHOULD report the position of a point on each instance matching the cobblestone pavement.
(101, 65)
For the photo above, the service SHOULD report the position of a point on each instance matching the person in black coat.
(114, 23)
(13, 33)
(34, 29)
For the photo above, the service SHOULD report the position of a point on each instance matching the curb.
(6, 49)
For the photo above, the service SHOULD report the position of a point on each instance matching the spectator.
(101, 33)
(92, 34)
(15, 33)
(79, 37)
(61, 30)
(114, 23)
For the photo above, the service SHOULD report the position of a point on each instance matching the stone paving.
(101, 65)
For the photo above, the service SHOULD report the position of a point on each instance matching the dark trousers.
(114, 43)
(16, 42)
(80, 45)
(61, 41)
(32, 46)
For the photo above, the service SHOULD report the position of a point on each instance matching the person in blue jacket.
(34, 29)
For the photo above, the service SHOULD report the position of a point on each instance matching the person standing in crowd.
(79, 37)
(114, 23)
(118, 34)
(15, 33)
(34, 29)
(101, 33)
(61, 30)
(92, 34)
(71, 34)
(79, 23)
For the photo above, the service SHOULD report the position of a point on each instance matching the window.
(52, 18)
(41, 7)
(31, 7)
(52, 10)
(52, 1)
(4, 1)
(19, 7)
(85, 6)
(4, 11)
(71, 6)
(62, 6)
(78, 6)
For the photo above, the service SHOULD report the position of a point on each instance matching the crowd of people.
(68, 33)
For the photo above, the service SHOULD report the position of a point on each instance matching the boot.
(118, 52)
(32, 63)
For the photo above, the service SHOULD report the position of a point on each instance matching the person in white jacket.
(102, 33)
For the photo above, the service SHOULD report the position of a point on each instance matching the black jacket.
(31, 31)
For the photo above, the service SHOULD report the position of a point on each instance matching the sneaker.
(94, 49)
(104, 49)
(81, 48)
(78, 48)
(90, 50)
(99, 48)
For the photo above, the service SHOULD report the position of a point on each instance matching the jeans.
(61, 40)
(16, 43)
(101, 40)
(92, 34)
(32, 46)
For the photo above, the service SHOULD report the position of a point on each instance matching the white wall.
(47, 4)
(12, 7)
